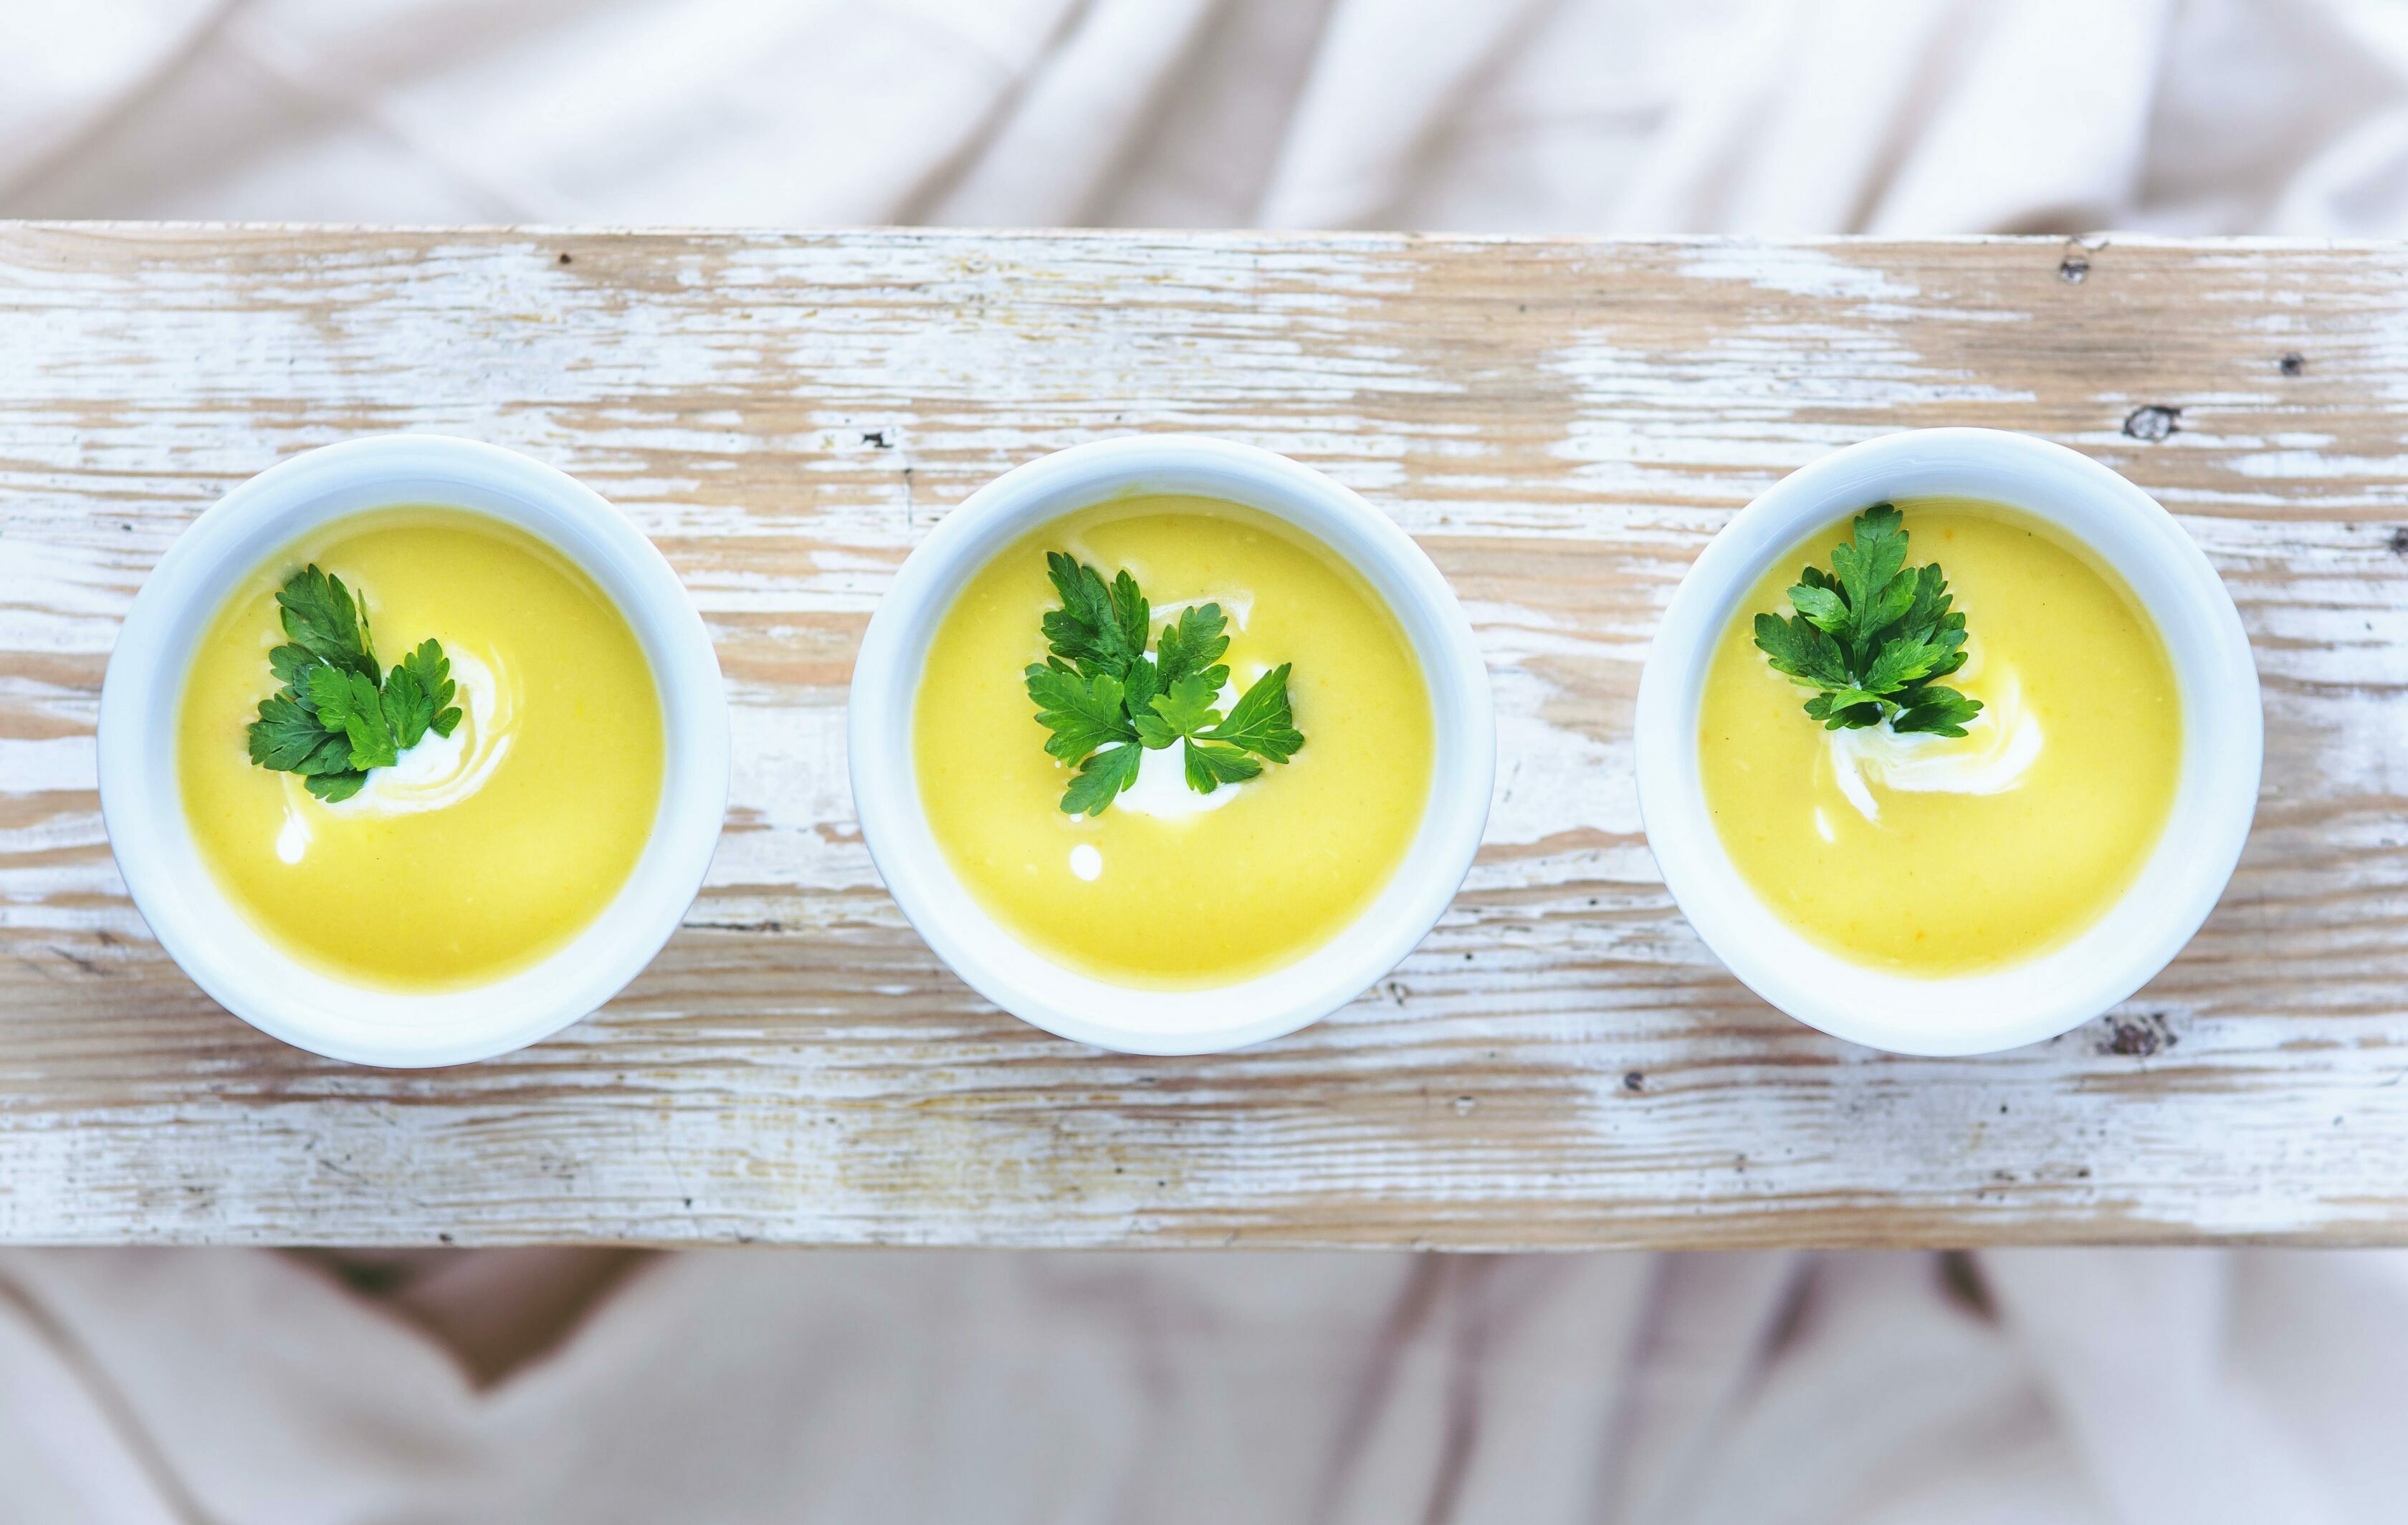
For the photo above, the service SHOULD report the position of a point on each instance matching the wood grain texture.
(1562, 424)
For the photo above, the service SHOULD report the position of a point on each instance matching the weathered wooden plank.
(1561, 422)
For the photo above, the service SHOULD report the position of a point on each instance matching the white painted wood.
(1562, 424)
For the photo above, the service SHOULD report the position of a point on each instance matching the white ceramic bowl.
(141, 801)
(887, 792)
(2223, 746)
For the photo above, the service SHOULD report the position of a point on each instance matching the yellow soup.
(1937, 855)
(1276, 865)
(475, 855)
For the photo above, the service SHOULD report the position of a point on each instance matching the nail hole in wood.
(2152, 422)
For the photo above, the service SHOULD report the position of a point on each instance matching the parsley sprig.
(338, 714)
(1871, 635)
(1108, 704)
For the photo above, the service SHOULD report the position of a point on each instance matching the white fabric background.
(138, 1386)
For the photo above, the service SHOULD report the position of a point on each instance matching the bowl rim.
(193, 917)
(1134, 1019)
(2178, 884)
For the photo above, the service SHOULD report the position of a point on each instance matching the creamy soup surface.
(477, 853)
(1939, 856)
(1155, 891)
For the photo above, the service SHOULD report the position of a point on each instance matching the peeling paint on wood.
(1562, 424)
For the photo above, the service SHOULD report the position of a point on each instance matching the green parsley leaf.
(418, 696)
(432, 673)
(1106, 704)
(1189, 706)
(320, 619)
(331, 787)
(286, 735)
(1262, 722)
(350, 702)
(1084, 714)
(1216, 750)
(1188, 714)
(1138, 685)
(1889, 605)
(338, 714)
(1098, 628)
(1101, 779)
(409, 708)
(1193, 646)
(1210, 766)
(1824, 609)
(291, 664)
(1940, 711)
(1900, 663)
(1802, 651)
(1868, 561)
(1872, 635)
